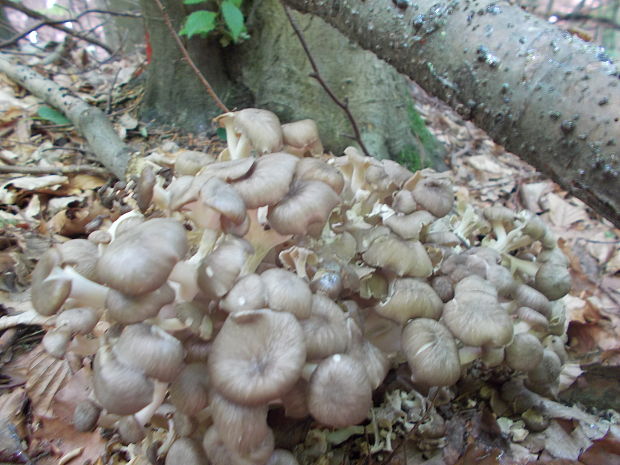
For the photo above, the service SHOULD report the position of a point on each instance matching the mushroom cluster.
(277, 276)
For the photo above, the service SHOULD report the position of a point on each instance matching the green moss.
(418, 157)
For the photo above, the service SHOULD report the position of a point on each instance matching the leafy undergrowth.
(63, 194)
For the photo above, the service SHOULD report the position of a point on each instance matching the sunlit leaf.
(233, 18)
(193, 2)
(199, 22)
(52, 115)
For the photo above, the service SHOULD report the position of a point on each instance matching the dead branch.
(317, 75)
(68, 169)
(45, 21)
(91, 122)
(189, 60)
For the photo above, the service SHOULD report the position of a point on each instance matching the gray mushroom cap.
(257, 356)
(140, 259)
(431, 352)
(339, 392)
(475, 316)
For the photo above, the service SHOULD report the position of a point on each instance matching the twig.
(587, 17)
(189, 60)
(317, 75)
(45, 21)
(69, 169)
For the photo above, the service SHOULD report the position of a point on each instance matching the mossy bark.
(174, 96)
(545, 95)
(274, 66)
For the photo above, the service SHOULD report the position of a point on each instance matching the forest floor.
(52, 189)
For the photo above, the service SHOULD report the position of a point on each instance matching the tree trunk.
(121, 32)
(174, 96)
(276, 69)
(547, 96)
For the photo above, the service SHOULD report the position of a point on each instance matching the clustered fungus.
(277, 276)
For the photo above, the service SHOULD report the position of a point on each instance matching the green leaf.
(199, 22)
(237, 3)
(233, 18)
(52, 115)
(193, 2)
(221, 133)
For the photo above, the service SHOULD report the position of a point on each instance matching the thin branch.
(45, 21)
(587, 17)
(317, 75)
(189, 60)
(69, 169)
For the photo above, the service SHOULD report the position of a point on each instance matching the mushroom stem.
(518, 264)
(84, 291)
(263, 240)
(159, 393)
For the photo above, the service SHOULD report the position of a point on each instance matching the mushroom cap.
(374, 360)
(475, 316)
(242, 428)
(527, 296)
(56, 341)
(220, 196)
(304, 209)
(287, 292)
(553, 280)
(118, 388)
(80, 320)
(189, 162)
(434, 193)
(231, 170)
(409, 226)
(397, 173)
(144, 188)
(48, 294)
(410, 298)
(82, 256)
(151, 350)
(219, 454)
(248, 293)
(339, 392)
(188, 391)
(405, 258)
(140, 259)
(431, 352)
(257, 356)
(268, 181)
(185, 451)
(325, 331)
(403, 202)
(85, 416)
(547, 371)
(134, 309)
(314, 169)
(301, 137)
(261, 127)
(282, 457)
(524, 353)
(221, 268)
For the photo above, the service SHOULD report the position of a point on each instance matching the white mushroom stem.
(159, 393)
(161, 197)
(183, 280)
(114, 226)
(468, 354)
(262, 240)
(84, 291)
(524, 266)
(308, 369)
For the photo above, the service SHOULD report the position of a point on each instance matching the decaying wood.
(545, 95)
(91, 122)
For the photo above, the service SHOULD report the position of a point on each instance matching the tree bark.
(276, 69)
(173, 94)
(545, 95)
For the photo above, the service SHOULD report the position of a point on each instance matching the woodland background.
(53, 188)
